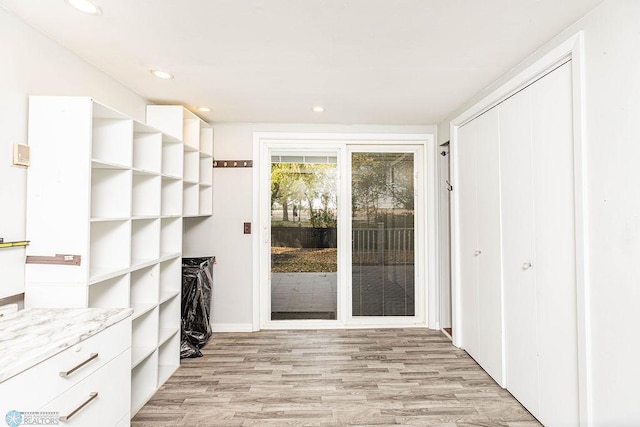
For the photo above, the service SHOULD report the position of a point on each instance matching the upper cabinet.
(197, 137)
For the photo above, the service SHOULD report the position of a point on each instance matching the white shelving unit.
(110, 189)
(197, 138)
(205, 200)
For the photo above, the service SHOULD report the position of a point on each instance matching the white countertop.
(31, 336)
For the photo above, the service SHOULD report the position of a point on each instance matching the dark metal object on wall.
(233, 163)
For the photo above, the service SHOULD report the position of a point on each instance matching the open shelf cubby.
(110, 293)
(144, 380)
(170, 277)
(171, 203)
(190, 203)
(110, 249)
(110, 193)
(145, 290)
(206, 170)
(170, 236)
(205, 202)
(206, 141)
(172, 157)
(145, 241)
(169, 311)
(168, 359)
(146, 194)
(147, 149)
(144, 339)
(191, 166)
(191, 131)
(112, 141)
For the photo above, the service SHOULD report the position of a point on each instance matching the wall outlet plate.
(21, 155)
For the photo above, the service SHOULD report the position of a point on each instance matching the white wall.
(233, 205)
(612, 60)
(32, 64)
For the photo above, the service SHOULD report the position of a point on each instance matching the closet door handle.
(527, 265)
(476, 253)
(65, 418)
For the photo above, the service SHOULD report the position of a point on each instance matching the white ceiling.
(366, 61)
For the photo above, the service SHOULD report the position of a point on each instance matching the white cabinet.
(480, 252)
(88, 383)
(99, 400)
(540, 249)
(109, 190)
(197, 137)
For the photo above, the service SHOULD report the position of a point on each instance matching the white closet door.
(555, 268)
(466, 188)
(480, 254)
(490, 257)
(518, 236)
(539, 248)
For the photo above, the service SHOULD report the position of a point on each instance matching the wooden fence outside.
(362, 239)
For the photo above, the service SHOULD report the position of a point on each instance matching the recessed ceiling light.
(162, 74)
(204, 109)
(318, 109)
(84, 6)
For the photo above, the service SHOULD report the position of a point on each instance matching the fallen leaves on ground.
(309, 260)
(303, 260)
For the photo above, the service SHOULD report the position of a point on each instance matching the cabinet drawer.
(40, 384)
(101, 399)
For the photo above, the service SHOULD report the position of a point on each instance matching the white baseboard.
(232, 327)
(282, 324)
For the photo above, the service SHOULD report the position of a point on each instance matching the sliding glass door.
(343, 235)
(383, 234)
(304, 235)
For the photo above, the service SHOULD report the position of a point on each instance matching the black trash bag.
(197, 284)
(188, 350)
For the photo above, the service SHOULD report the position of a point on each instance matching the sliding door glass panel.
(383, 238)
(304, 251)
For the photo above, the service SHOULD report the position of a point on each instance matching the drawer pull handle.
(65, 418)
(92, 356)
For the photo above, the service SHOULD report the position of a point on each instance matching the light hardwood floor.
(332, 378)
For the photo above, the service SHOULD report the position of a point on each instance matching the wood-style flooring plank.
(365, 377)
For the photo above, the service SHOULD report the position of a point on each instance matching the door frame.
(445, 302)
(262, 142)
(572, 49)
